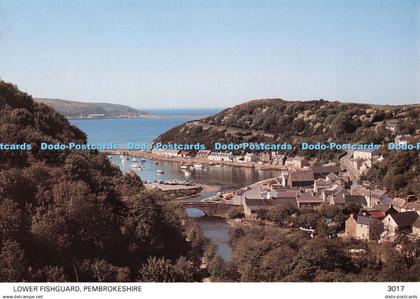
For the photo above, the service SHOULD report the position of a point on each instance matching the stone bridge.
(211, 208)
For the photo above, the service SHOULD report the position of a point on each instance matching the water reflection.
(227, 177)
(216, 230)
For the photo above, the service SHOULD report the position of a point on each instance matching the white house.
(391, 126)
(398, 222)
(166, 152)
(220, 157)
(203, 153)
(250, 157)
(364, 154)
(296, 162)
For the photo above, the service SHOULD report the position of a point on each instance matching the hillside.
(276, 120)
(72, 215)
(75, 109)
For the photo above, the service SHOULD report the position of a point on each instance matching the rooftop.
(365, 220)
(255, 203)
(405, 218)
(302, 176)
(414, 205)
(357, 199)
(309, 197)
(286, 194)
(323, 169)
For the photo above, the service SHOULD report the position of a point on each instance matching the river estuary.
(145, 130)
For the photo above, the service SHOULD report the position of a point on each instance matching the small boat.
(143, 160)
(134, 160)
(160, 171)
(134, 165)
(187, 173)
(184, 167)
(198, 165)
(155, 162)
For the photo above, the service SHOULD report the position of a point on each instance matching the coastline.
(190, 160)
(153, 116)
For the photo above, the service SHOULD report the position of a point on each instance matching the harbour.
(212, 178)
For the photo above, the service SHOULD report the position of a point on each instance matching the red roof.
(377, 214)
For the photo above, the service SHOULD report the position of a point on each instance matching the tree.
(72, 215)
(97, 270)
(12, 262)
(50, 274)
(153, 229)
(157, 270)
(11, 221)
(219, 270)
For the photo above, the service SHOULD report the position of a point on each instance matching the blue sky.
(165, 54)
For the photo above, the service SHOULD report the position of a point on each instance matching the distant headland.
(89, 110)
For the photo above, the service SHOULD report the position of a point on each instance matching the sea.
(145, 130)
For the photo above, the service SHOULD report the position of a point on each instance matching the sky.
(178, 54)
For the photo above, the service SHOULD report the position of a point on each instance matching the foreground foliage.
(264, 254)
(72, 216)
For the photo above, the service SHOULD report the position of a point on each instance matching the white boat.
(133, 160)
(155, 162)
(187, 173)
(198, 165)
(134, 165)
(160, 171)
(184, 167)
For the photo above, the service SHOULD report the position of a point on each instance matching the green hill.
(276, 120)
(75, 109)
(279, 121)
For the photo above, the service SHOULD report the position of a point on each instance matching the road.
(253, 192)
(348, 165)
